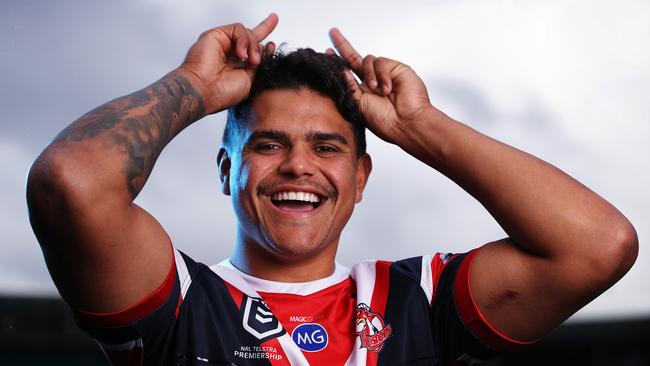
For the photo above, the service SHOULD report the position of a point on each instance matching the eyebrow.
(269, 135)
(284, 137)
(327, 136)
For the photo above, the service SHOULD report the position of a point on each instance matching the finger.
(346, 50)
(240, 39)
(266, 26)
(383, 68)
(254, 56)
(369, 76)
(268, 49)
(353, 84)
(330, 51)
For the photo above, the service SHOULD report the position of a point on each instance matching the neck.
(253, 259)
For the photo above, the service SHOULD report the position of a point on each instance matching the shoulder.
(421, 271)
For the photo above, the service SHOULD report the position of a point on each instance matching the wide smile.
(296, 203)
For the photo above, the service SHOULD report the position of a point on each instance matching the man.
(294, 163)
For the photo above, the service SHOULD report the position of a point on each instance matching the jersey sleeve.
(462, 331)
(140, 334)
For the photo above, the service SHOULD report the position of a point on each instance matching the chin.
(294, 250)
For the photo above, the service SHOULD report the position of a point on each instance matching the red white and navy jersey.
(417, 311)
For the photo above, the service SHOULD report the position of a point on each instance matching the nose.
(298, 162)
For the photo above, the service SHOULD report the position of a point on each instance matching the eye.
(325, 149)
(268, 146)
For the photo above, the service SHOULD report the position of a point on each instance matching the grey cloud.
(60, 59)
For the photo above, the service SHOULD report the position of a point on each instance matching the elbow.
(626, 247)
(56, 185)
(48, 185)
(619, 252)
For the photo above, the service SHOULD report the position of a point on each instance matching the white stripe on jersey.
(183, 274)
(426, 277)
(234, 279)
(299, 288)
(363, 272)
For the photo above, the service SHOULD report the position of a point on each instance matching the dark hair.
(304, 68)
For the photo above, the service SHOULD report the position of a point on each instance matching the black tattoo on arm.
(139, 125)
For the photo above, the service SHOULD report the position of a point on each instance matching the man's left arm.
(566, 244)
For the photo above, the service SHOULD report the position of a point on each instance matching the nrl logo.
(371, 329)
(258, 319)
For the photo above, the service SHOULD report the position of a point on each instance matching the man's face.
(296, 177)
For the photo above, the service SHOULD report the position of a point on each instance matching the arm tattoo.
(139, 125)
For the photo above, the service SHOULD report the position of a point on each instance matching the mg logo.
(310, 337)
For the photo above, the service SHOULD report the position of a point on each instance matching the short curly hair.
(303, 68)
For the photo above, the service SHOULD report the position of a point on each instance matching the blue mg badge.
(310, 337)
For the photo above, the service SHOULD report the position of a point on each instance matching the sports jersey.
(417, 311)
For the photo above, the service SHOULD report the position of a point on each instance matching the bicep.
(523, 295)
(103, 257)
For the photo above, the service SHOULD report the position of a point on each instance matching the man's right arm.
(104, 252)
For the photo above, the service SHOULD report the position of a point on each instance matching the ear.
(223, 161)
(364, 166)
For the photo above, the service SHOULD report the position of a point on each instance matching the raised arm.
(103, 251)
(566, 244)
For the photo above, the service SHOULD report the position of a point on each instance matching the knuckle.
(209, 33)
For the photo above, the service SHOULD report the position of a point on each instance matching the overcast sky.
(568, 81)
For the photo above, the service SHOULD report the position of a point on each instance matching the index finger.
(346, 50)
(265, 27)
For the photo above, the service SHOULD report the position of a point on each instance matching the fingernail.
(372, 84)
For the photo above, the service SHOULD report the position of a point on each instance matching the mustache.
(266, 188)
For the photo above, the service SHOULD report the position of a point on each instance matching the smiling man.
(294, 162)
(294, 165)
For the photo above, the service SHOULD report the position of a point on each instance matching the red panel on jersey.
(237, 295)
(332, 308)
(471, 315)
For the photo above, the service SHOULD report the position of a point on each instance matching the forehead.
(296, 111)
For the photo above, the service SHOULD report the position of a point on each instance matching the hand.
(390, 96)
(222, 62)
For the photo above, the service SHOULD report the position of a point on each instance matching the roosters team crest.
(371, 329)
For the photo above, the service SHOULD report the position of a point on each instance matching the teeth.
(295, 196)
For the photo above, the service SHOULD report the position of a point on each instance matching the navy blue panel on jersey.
(407, 311)
(426, 335)
(451, 337)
